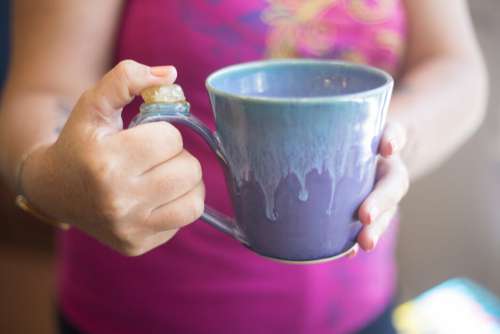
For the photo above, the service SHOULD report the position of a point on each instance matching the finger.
(104, 102)
(390, 188)
(172, 179)
(354, 251)
(370, 235)
(126, 80)
(180, 212)
(146, 146)
(393, 139)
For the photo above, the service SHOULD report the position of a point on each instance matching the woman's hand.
(130, 189)
(379, 208)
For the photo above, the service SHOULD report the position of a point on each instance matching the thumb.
(100, 107)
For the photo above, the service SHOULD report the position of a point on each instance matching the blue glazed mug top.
(298, 81)
(299, 142)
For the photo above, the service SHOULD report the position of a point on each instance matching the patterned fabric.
(336, 29)
(202, 281)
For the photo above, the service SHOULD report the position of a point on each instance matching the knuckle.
(168, 184)
(89, 161)
(113, 210)
(170, 135)
(127, 63)
(194, 169)
(126, 240)
(87, 97)
(100, 170)
(196, 208)
(132, 250)
(142, 216)
(125, 68)
(175, 136)
(94, 98)
(123, 235)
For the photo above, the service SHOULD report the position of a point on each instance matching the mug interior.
(301, 79)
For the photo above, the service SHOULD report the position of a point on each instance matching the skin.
(135, 199)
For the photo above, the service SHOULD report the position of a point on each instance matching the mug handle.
(179, 114)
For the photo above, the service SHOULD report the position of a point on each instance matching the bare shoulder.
(441, 27)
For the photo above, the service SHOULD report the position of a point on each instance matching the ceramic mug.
(298, 140)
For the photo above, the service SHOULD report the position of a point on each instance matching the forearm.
(441, 103)
(29, 119)
(52, 63)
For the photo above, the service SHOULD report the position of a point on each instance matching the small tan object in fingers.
(163, 94)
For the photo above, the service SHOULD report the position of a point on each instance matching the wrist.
(35, 183)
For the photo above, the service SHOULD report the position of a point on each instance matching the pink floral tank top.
(202, 281)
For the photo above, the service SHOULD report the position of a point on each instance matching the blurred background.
(450, 227)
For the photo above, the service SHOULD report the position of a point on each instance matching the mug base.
(314, 261)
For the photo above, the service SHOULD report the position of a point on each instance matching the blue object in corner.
(4, 38)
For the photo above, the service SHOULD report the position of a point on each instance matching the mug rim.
(389, 81)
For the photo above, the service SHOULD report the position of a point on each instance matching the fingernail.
(162, 71)
(353, 252)
(392, 147)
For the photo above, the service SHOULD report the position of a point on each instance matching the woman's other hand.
(379, 208)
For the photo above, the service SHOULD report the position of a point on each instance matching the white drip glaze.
(326, 141)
